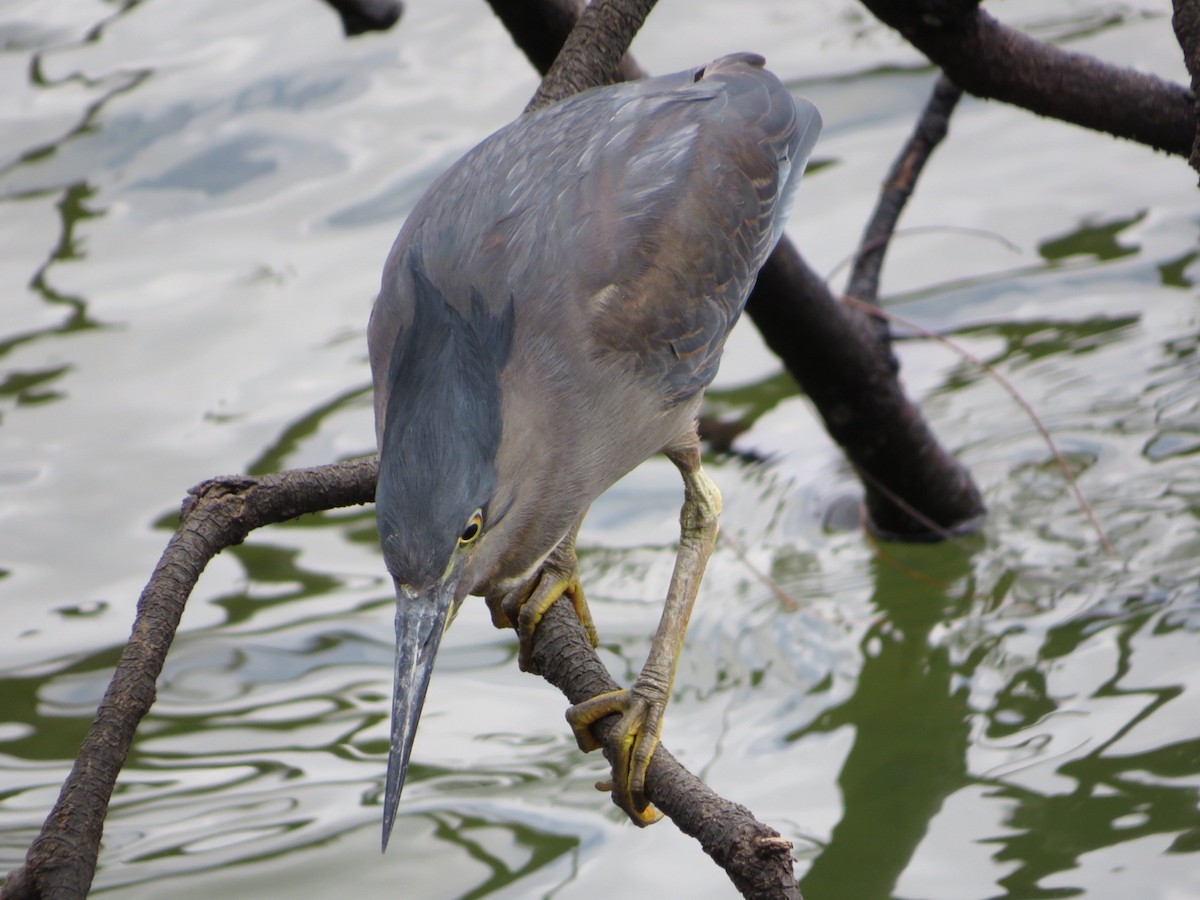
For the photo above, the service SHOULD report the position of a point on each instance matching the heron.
(549, 316)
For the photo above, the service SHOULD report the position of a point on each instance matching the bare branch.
(592, 53)
(897, 188)
(61, 861)
(991, 60)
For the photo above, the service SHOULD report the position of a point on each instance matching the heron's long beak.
(420, 623)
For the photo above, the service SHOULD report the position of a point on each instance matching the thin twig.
(901, 179)
(913, 230)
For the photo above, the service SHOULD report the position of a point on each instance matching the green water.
(195, 202)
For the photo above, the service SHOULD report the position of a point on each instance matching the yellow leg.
(641, 707)
(524, 607)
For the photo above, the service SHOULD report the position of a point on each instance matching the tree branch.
(61, 861)
(592, 52)
(898, 187)
(991, 60)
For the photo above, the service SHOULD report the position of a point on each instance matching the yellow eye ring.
(471, 531)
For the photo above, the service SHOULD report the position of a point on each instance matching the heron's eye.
(474, 526)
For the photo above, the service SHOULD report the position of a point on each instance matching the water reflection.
(910, 716)
(1117, 796)
(1019, 720)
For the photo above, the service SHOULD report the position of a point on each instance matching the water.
(195, 201)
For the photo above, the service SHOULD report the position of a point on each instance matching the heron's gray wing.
(652, 203)
(685, 203)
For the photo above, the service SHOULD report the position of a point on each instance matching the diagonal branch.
(61, 861)
(992, 60)
(898, 186)
(592, 52)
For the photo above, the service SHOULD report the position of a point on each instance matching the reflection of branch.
(1186, 21)
(61, 861)
(991, 60)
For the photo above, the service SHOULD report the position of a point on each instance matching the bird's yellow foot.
(641, 711)
(524, 607)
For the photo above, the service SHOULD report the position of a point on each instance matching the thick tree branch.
(991, 60)
(592, 52)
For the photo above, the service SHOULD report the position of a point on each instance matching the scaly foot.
(524, 607)
(641, 711)
(641, 707)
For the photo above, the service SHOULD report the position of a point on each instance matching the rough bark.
(61, 861)
(540, 28)
(991, 60)
(592, 52)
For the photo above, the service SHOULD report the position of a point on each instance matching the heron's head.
(437, 481)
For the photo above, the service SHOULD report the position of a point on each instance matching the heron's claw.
(524, 607)
(641, 711)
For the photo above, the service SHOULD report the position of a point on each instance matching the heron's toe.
(637, 734)
(524, 607)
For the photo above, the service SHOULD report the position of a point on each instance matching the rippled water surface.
(195, 202)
